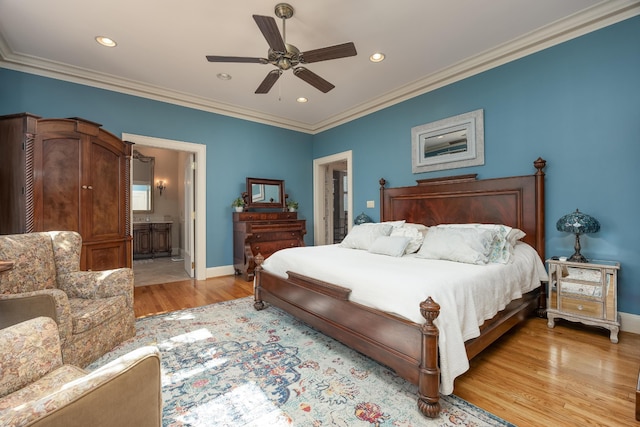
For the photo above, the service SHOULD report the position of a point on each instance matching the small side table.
(584, 292)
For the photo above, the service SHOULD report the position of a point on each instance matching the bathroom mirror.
(142, 183)
(265, 193)
(454, 142)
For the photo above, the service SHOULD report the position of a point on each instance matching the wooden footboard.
(411, 350)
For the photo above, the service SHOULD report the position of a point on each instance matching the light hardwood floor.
(571, 375)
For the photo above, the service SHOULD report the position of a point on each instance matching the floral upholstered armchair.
(93, 309)
(38, 390)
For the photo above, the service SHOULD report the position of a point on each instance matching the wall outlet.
(371, 203)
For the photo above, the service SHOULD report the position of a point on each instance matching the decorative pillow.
(362, 236)
(414, 234)
(390, 245)
(468, 245)
(395, 224)
(505, 239)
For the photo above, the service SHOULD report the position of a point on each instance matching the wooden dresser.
(263, 233)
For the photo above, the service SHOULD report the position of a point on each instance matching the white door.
(189, 215)
(323, 200)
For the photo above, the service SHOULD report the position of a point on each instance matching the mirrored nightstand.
(584, 292)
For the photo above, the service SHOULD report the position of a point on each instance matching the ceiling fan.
(286, 56)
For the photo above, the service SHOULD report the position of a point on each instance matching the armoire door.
(57, 181)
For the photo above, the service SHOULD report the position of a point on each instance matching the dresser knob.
(258, 236)
(257, 248)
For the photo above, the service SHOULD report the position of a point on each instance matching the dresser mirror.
(264, 193)
(142, 183)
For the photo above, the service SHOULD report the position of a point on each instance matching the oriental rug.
(227, 364)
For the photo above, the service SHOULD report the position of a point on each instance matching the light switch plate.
(371, 203)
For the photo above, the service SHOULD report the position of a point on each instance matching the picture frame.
(454, 142)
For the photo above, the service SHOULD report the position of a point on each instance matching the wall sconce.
(161, 186)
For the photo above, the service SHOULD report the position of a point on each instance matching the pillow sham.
(414, 234)
(390, 245)
(505, 239)
(362, 236)
(468, 245)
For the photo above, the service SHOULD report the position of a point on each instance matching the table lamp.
(578, 223)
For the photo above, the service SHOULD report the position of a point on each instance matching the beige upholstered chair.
(37, 389)
(93, 310)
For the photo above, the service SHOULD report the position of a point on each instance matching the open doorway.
(332, 181)
(190, 183)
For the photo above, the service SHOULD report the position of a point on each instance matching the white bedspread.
(468, 294)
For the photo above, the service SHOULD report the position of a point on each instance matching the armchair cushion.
(34, 267)
(28, 351)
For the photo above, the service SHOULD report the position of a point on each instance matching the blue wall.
(235, 148)
(577, 105)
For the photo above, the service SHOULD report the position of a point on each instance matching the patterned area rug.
(229, 365)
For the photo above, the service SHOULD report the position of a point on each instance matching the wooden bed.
(411, 349)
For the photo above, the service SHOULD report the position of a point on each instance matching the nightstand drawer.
(583, 289)
(582, 307)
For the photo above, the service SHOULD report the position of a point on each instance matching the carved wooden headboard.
(516, 201)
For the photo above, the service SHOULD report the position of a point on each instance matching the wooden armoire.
(67, 174)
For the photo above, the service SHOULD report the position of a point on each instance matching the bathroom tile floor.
(158, 270)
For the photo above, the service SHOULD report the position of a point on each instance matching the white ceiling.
(162, 46)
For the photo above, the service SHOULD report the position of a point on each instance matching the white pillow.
(362, 236)
(390, 245)
(468, 245)
(415, 236)
(395, 224)
(505, 239)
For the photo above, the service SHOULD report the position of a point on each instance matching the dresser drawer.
(582, 307)
(268, 248)
(276, 235)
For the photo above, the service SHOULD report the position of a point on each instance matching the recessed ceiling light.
(223, 76)
(377, 57)
(302, 99)
(106, 41)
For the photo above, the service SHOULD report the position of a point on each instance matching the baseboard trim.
(630, 323)
(223, 270)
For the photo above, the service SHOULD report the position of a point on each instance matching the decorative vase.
(292, 209)
(239, 208)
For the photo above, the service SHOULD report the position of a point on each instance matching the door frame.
(200, 153)
(319, 174)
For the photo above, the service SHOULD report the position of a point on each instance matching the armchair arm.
(28, 351)
(53, 303)
(98, 284)
(125, 392)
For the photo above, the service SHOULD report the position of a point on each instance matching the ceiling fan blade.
(313, 79)
(270, 32)
(268, 81)
(214, 58)
(332, 52)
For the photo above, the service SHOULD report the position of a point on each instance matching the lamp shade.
(578, 223)
(362, 219)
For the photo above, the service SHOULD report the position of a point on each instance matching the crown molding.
(599, 16)
(592, 19)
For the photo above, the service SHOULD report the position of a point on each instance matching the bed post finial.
(539, 164)
(429, 378)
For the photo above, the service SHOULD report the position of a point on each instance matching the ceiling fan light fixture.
(377, 57)
(302, 100)
(106, 41)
